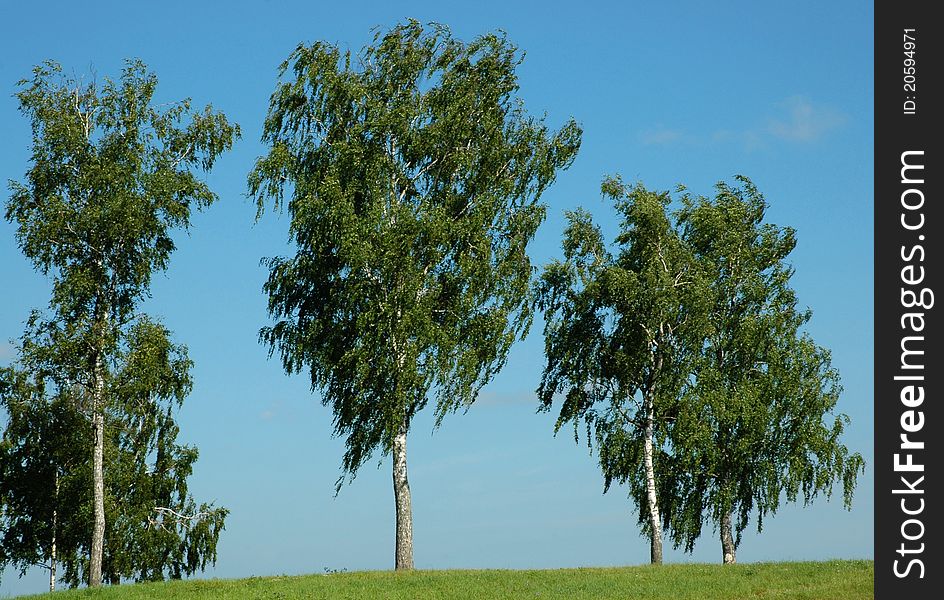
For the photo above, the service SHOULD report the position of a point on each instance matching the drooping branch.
(164, 513)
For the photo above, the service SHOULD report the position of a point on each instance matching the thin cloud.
(804, 122)
(6, 351)
(273, 410)
(661, 136)
(796, 119)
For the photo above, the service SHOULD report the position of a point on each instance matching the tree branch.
(179, 518)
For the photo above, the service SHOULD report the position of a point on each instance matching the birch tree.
(42, 441)
(154, 528)
(759, 426)
(111, 175)
(622, 332)
(412, 176)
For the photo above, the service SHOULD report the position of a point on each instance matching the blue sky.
(683, 92)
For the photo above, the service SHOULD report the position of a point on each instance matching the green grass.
(830, 580)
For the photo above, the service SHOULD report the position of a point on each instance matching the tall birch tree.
(111, 175)
(622, 332)
(759, 426)
(412, 176)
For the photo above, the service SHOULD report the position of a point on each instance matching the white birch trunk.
(655, 522)
(98, 476)
(401, 493)
(728, 550)
(52, 546)
(52, 555)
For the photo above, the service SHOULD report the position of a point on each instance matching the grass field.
(831, 580)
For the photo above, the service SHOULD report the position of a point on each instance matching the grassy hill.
(830, 580)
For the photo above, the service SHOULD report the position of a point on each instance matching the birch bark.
(728, 549)
(98, 477)
(655, 522)
(401, 493)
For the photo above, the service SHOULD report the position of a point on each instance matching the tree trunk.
(401, 493)
(655, 550)
(98, 477)
(52, 546)
(728, 549)
(52, 555)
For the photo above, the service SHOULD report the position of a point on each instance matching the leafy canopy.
(112, 173)
(622, 331)
(46, 475)
(412, 174)
(759, 425)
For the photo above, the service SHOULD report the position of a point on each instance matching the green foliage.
(110, 176)
(412, 175)
(622, 332)
(40, 465)
(758, 427)
(696, 312)
(154, 528)
(828, 580)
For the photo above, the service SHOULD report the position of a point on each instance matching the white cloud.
(796, 119)
(804, 122)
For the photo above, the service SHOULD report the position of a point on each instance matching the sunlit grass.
(830, 580)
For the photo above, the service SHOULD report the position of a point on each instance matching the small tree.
(621, 335)
(758, 426)
(414, 176)
(40, 467)
(157, 530)
(111, 175)
(153, 527)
